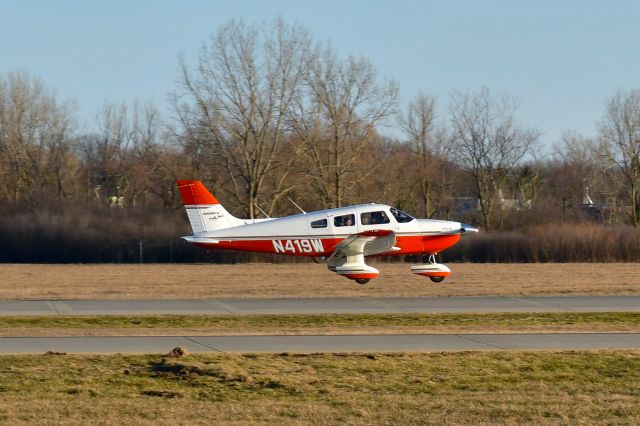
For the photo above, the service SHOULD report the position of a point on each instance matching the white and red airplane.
(341, 237)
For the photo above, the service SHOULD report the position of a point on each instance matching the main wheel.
(436, 279)
(362, 280)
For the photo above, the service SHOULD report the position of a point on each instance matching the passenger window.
(322, 223)
(344, 220)
(374, 218)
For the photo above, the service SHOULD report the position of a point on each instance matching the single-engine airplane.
(341, 237)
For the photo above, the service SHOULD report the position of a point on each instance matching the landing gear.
(434, 270)
(432, 261)
(354, 268)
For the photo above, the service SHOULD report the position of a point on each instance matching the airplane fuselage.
(340, 237)
(318, 233)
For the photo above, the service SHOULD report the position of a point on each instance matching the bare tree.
(488, 143)
(123, 158)
(337, 121)
(35, 131)
(620, 136)
(572, 166)
(232, 106)
(104, 152)
(430, 149)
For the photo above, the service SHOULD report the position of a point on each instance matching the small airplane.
(340, 237)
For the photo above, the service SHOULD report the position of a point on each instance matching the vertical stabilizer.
(203, 209)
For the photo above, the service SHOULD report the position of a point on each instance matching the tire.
(436, 279)
(362, 280)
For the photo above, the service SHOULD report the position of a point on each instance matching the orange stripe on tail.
(194, 193)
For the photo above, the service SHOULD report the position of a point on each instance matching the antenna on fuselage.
(262, 211)
(294, 203)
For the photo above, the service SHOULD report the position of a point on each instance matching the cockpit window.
(400, 216)
(344, 220)
(374, 218)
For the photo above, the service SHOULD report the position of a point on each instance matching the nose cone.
(464, 228)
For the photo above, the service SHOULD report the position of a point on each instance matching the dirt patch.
(308, 280)
(177, 352)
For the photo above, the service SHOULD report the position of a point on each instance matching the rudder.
(203, 209)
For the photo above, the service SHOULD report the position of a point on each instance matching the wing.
(367, 243)
(353, 248)
(348, 257)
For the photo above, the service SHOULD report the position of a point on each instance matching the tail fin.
(203, 209)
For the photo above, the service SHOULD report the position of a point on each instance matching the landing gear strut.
(431, 258)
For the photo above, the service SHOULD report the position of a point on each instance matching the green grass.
(270, 322)
(443, 388)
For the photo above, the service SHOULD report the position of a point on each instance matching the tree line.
(267, 113)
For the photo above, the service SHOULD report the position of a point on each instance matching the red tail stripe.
(193, 192)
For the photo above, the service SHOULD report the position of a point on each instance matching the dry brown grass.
(28, 281)
(69, 332)
(324, 389)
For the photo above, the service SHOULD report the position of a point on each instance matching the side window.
(374, 218)
(344, 220)
(322, 223)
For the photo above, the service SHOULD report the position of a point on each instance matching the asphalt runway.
(322, 305)
(313, 344)
(324, 343)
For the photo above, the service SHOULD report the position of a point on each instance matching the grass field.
(307, 280)
(172, 325)
(593, 387)
(323, 389)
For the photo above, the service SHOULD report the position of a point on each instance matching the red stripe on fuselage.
(413, 244)
(425, 243)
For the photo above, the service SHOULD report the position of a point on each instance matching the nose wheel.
(432, 260)
(362, 280)
(432, 269)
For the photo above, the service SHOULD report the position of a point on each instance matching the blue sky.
(560, 59)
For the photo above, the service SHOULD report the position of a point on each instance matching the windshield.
(400, 216)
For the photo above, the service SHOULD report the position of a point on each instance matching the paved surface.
(340, 343)
(322, 305)
(310, 344)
